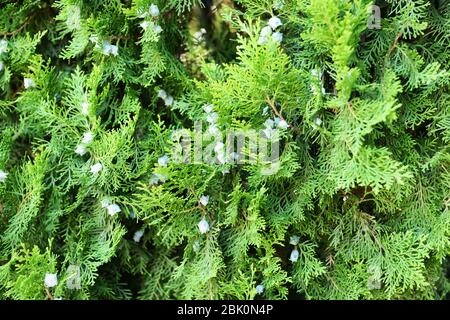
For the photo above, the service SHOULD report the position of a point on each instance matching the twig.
(13, 33)
(49, 295)
(272, 105)
(394, 44)
(349, 105)
(199, 205)
(278, 114)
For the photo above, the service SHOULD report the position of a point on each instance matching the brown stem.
(278, 114)
(394, 44)
(272, 105)
(49, 295)
(13, 33)
(200, 206)
(349, 105)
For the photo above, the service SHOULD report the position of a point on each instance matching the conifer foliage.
(94, 203)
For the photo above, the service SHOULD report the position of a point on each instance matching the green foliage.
(92, 94)
(23, 271)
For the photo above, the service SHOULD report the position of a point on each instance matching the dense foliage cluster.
(93, 204)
